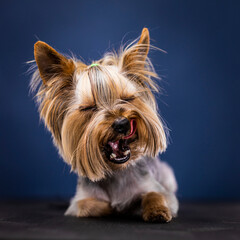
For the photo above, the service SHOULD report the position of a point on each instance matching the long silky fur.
(79, 136)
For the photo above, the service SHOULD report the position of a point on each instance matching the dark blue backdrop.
(201, 82)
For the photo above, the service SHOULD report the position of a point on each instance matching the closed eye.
(88, 108)
(128, 99)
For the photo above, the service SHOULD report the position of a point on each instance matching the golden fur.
(79, 134)
(80, 103)
(155, 208)
(91, 207)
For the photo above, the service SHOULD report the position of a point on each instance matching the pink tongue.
(133, 124)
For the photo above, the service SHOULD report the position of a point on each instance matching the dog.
(104, 122)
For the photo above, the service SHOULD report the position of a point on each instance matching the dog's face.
(102, 117)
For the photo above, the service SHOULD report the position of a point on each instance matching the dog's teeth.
(113, 155)
(126, 152)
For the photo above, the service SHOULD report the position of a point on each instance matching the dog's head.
(103, 117)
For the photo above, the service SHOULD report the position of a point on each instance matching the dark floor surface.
(45, 220)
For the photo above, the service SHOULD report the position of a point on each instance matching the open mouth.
(118, 151)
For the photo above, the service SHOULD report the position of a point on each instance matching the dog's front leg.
(154, 208)
(92, 207)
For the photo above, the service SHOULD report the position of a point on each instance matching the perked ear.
(135, 55)
(51, 63)
(144, 42)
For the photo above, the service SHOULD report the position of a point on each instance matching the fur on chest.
(125, 186)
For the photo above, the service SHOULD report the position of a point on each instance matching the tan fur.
(155, 209)
(80, 103)
(81, 135)
(91, 207)
(50, 62)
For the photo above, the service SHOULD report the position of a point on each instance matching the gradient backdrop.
(200, 77)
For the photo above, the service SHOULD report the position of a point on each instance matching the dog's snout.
(121, 125)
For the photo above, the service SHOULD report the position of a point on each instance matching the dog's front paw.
(154, 208)
(91, 207)
(157, 214)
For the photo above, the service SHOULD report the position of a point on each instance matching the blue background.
(200, 80)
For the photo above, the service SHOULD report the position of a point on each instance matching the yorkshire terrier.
(104, 121)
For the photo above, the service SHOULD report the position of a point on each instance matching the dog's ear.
(135, 64)
(51, 63)
(143, 43)
(135, 55)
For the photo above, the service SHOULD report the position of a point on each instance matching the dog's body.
(128, 186)
(104, 122)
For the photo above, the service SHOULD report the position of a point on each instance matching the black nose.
(121, 125)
